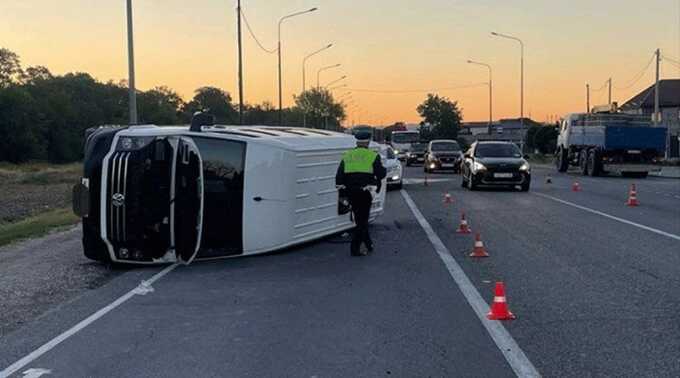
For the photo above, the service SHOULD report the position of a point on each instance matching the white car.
(392, 166)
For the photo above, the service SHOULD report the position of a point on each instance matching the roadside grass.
(36, 225)
(39, 173)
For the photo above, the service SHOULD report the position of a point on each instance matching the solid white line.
(84, 323)
(638, 225)
(506, 344)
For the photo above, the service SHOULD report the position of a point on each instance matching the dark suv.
(495, 164)
(443, 154)
(417, 154)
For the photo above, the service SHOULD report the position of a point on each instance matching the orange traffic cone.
(632, 197)
(478, 250)
(576, 187)
(447, 198)
(499, 307)
(463, 228)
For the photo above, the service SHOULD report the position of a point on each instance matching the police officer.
(359, 169)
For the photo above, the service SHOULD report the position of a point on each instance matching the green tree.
(10, 68)
(442, 114)
(20, 134)
(320, 108)
(160, 105)
(542, 138)
(35, 74)
(213, 100)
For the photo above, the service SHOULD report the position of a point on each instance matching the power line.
(668, 58)
(637, 76)
(415, 90)
(600, 88)
(252, 34)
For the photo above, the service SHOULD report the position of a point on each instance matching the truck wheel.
(525, 186)
(561, 161)
(583, 162)
(593, 164)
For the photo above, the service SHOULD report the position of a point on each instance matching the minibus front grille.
(118, 166)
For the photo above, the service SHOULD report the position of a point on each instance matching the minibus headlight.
(133, 143)
(476, 166)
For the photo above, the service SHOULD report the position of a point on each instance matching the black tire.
(399, 186)
(408, 163)
(583, 162)
(594, 169)
(526, 186)
(562, 161)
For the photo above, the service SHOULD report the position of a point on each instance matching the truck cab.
(401, 142)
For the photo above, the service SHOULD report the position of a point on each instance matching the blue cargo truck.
(609, 142)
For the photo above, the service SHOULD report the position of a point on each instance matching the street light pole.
(279, 58)
(521, 104)
(587, 98)
(335, 81)
(240, 66)
(318, 73)
(490, 92)
(132, 91)
(337, 87)
(304, 61)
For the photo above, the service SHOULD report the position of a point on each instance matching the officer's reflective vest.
(359, 160)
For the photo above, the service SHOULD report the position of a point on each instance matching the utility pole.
(657, 113)
(610, 90)
(132, 91)
(656, 88)
(587, 98)
(240, 66)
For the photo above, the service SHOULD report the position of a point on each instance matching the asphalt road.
(592, 282)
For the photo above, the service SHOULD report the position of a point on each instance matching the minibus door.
(188, 201)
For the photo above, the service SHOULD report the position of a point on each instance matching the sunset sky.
(383, 45)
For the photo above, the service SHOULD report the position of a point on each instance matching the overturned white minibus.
(154, 194)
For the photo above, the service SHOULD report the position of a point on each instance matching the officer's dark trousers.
(361, 207)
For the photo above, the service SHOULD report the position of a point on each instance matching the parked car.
(417, 154)
(443, 154)
(392, 166)
(489, 163)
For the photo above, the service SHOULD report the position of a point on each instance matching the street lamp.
(304, 71)
(521, 106)
(336, 80)
(279, 54)
(318, 73)
(490, 91)
(337, 87)
(132, 92)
